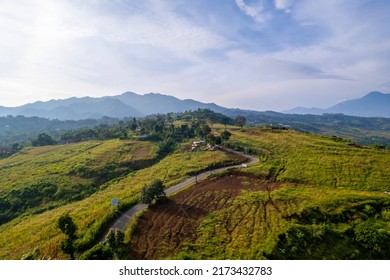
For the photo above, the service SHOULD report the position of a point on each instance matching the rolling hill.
(307, 191)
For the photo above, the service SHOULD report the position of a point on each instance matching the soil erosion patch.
(162, 229)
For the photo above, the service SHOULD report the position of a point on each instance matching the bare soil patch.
(162, 230)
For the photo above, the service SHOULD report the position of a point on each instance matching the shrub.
(153, 192)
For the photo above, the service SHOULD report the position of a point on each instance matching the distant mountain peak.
(376, 93)
(127, 104)
(374, 104)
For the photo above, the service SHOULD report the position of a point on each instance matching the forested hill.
(365, 131)
(21, 129)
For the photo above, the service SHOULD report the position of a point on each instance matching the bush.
(165, 147)
(98, 252)
(153, 193)
(372, 235)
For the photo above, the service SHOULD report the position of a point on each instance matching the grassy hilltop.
(309, 197)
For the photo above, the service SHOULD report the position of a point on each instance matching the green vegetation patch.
(38, 179)
(93, 214)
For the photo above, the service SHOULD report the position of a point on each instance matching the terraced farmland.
(163, 230)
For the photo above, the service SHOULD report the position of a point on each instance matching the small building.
(212, 147)
(198, 143)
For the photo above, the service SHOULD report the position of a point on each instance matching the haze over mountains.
(374, 104)
(129, 104)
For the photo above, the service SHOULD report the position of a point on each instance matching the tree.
(153, 193)
(240, 121)
(225, 135)
(225, 120)
(211, 139)
(203, 130)
(115, 240)
(43, 139)
(68, 227)
(166, 146)
(133, 124)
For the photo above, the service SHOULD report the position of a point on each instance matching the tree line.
(158, 127)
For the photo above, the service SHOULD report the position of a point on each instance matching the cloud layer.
(252, 54)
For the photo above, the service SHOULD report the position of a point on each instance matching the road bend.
(122, 221)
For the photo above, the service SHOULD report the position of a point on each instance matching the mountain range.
(374, 104)
(130, 104)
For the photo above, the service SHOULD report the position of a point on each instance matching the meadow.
(37, 234)
(310, 197)
(37, 179)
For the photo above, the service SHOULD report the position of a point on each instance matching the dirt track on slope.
(163, 228)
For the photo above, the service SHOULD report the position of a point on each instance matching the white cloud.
(62, 48)
(283, 5)
(55, 49)
(255, 12)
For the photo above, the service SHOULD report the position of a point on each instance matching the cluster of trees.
(22, 129)
(157, 127)
(364, 234)
(160, 128)
(8, 151)
(112, 248)
(39, 196)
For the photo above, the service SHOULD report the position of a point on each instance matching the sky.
(249, 54)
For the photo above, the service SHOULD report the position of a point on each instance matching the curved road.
(123, 220)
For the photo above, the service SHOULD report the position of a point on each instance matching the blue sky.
(251, 54)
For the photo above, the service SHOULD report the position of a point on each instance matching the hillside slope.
(307, 192)
(38, 232)
(56, 175)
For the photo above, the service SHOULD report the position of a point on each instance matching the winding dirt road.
(124, 219)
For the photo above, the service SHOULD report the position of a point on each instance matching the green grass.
(317, 161)
(94, 213)
(326, 189)
(329, 193)
(37, 179)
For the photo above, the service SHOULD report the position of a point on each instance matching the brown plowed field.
(163, 228)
